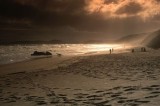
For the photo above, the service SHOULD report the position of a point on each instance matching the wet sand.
(125, 79)
(36, 64)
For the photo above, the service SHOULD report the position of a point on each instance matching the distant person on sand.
(110, 51)
(132, 50)
(143, 49)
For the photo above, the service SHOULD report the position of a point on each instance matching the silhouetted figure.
(110, 51)
(132, 50)
(143, 49)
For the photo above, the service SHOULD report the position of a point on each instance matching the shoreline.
(49, 63)
(36, 64)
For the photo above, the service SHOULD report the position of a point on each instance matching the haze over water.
(16, 53)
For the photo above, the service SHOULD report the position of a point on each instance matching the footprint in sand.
(77, 89)
(92, 89)
(10, 101)
(55, 88)
(152, 96)
(30, 98)
(67, 88)
(147, 88)
(31, 88)
(62, 95)
(103, 103)
(81, 94)
(135, 102)
(99, 91)
(121, 101)
(155, 92)
(115, 95)
(116, 88)
(55, 101)
(41, 102)
(155, 86)
(142, 101)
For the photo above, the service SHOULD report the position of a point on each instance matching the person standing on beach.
(110, 51)
(143, 49)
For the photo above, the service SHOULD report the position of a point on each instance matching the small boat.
(41, 54)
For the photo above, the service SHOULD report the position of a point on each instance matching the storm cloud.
(74, 20)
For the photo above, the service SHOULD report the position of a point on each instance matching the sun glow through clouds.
(124, 8)
(101, 47)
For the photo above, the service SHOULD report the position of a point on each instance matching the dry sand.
(126, 79)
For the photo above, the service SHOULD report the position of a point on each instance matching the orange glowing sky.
(124, 8)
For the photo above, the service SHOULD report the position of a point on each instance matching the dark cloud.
(16, 9)
(157, 0)
(11, 9)
(73, 19)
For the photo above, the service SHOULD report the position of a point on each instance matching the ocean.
(17, 53)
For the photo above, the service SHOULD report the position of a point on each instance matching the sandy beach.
(79, 52)
(123, 79)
